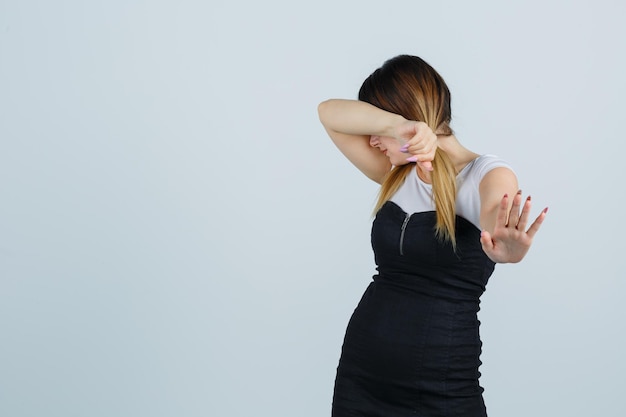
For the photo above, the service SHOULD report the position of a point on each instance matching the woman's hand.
(510, 240)
(421, 142)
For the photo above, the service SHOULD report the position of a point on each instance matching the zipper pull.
(402, 230)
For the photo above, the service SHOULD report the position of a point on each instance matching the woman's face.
(391, 148)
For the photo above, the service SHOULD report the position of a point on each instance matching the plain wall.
(178, 236)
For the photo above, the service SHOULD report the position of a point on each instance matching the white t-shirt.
(415, 195)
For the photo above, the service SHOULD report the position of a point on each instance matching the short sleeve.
(486, 163)
(468, 184)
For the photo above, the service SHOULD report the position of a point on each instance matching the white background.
(178, 237)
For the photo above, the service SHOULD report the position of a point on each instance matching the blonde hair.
(408, 86)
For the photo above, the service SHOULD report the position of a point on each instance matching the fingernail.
(412, 158)
(528, 198)
(519, 192)
(505, 196)
(405, 148)
(545, 210)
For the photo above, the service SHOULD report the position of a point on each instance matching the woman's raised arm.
(351, 123)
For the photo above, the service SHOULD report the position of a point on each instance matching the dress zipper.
(404, 223)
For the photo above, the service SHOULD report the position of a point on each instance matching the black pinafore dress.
(412, 346)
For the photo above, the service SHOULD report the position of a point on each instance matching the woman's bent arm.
(351, 123)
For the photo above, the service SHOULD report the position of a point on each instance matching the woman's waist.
(441, 287)
(400, 316)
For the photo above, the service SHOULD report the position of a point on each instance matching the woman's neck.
(458, 154)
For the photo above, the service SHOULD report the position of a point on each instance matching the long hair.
(408, 86)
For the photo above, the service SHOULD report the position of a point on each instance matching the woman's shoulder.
(485, 163)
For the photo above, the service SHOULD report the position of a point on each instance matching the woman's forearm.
(355, 117)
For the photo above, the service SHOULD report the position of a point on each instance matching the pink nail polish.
(412, 158)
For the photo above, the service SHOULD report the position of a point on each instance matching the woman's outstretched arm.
(505, 237)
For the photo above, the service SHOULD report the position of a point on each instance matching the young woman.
(445, 216)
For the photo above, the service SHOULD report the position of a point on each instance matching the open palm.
(510, 241)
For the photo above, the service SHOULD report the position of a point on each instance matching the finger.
(534, 228)
(416, 147)
(423, 151)
(521, 224)
(429, 149)
(501, 216)
(514, 212)
(486, 241)
(424, 141)
(423, 155)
